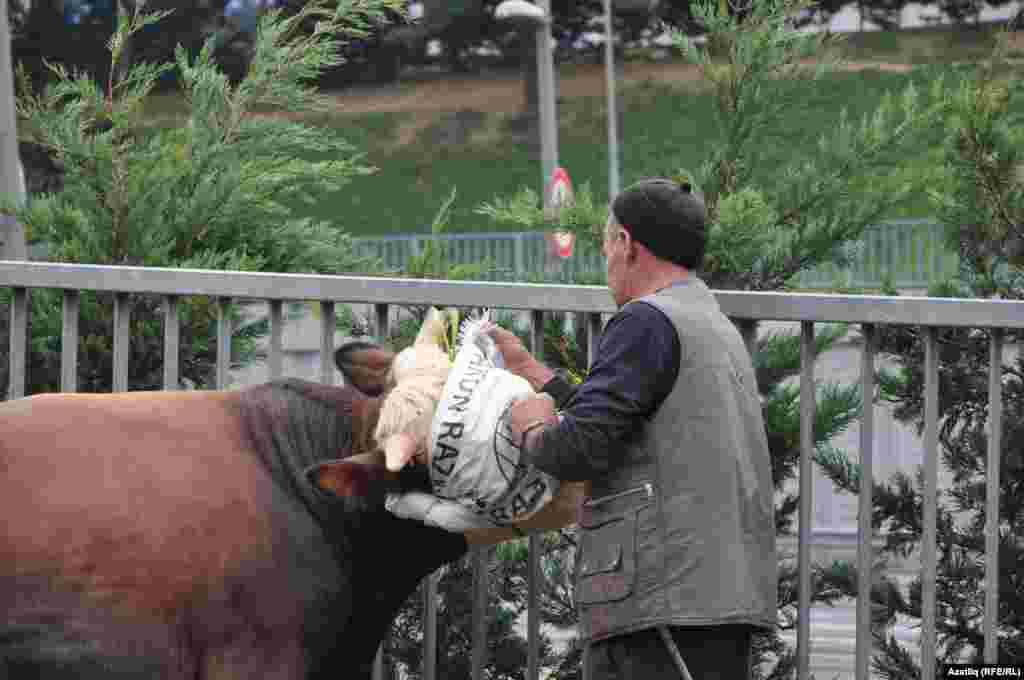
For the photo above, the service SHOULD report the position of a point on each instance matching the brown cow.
(176, 535)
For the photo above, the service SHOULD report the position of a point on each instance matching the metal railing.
(745, 307)
(509, 256)
(911, 253)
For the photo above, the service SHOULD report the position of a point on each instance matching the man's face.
(616, 250)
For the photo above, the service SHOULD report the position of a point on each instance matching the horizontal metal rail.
(745, 307)
(797, 307)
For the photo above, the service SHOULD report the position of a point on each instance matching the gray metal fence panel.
(907, 253)
(807, 309)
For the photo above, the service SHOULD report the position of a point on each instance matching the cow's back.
(142, 532)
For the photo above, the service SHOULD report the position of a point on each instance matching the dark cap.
(667, 217)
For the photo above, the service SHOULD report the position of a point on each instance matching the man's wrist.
(559, 388)
(530, 428)
(538, 375)
(531, 433)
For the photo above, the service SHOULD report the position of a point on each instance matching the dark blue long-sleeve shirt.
(635, 369)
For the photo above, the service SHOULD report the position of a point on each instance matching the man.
(677, 559)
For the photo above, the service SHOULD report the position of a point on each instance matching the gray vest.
(682, 533)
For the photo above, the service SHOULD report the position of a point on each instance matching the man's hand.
(529, 413)
(518, 360)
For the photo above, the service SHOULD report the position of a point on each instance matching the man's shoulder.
(684, 302)
(641, 314)
(641, 324)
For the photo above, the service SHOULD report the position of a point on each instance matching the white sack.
(475, 473)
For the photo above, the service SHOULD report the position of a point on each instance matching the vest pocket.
(607, 569)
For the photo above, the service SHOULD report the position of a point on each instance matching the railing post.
(481, 558)
(865, 507)
(172, 340)
(381, 329)
(122, 340)
(172, 337)
(995, 449)
(533, 609)
(534, 575)
(380, 313)
(223, 342)
(807, 396)
(929, 501)
(430, 625)
(327, 326)
(276, 358)
(69, 342)
(594, 326)
(19, 343)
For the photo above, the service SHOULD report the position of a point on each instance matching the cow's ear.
(358, 476)
(365, 365)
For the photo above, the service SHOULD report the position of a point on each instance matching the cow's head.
(408, 386)
(411, 382)
(375, 370)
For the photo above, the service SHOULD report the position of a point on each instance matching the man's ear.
(365, 365)
(631, 245)
(359, 476)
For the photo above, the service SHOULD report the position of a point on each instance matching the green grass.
(663, 129)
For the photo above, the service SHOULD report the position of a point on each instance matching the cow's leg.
(49, 652)
(54, 634)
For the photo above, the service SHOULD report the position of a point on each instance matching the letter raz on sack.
(475, 461)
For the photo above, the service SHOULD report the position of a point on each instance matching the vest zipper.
(648, 487)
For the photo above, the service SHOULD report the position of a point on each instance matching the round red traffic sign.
(560, 191)
(561, 188)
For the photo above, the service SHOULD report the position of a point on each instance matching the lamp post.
(12, 181)
(539, 16)
(612, 111)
